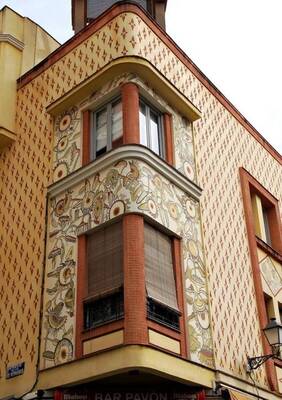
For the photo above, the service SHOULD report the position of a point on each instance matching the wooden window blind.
(105, 261)
(160, 282)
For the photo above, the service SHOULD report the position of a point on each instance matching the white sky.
(236, 43)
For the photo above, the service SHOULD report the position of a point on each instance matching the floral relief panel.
(67, 143)
(127, 186)
(271, 276)
(68, 131)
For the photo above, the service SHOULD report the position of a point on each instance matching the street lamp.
(273, 334)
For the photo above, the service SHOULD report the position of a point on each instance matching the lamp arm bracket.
(256, 362)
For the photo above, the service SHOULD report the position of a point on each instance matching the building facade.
(142, 247)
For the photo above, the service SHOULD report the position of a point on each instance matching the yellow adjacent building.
(141, 242)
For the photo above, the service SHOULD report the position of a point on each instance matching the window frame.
(161, 132)
(94, 298)
(250, 186)
(265, 218)
(93, 136)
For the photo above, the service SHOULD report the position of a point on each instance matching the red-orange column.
(81, 281)
(176, 253)
(130, 111)
(135, 323)
(86, 138)
(168, 134)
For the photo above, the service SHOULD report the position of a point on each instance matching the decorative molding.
(7, 38)
(127, 152)
(127, 64)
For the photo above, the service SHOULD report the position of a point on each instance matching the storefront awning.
(237, 395)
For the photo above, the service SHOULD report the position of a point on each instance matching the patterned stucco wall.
(222, 145)
(25, 170)
(127, 186)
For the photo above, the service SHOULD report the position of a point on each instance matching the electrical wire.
(255, 385)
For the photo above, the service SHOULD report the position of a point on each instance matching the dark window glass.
(266, 226)
(104, 310)
(163, 315)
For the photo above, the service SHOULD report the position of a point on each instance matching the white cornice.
(127, 152)
(6, 37)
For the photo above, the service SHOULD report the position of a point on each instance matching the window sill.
(107, 327)
(164, 329)
(269, 250)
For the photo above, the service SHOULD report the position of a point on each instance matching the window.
(160, 283)
(151, 128)
(265, 219)
(262, 215)
(269, 306)
(107, 128)
(104, 302)
(266, 226)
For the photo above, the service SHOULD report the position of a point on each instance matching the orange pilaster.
(135, 323)
(130, 110)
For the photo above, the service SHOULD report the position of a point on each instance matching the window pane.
(116, 120)
(143, 127)
(154, 128)
(101, 130)
(105, 309)
(266, 226)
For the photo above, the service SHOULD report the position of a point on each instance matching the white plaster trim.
(6, 37)
(127, 152)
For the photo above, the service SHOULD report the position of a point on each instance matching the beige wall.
(22, 45)
(25, 167)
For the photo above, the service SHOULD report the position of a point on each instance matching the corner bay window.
(127, 120)
(107, 128)
(160, 283)
(104, 302)
(151, 128)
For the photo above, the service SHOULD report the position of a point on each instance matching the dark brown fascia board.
(127, 6)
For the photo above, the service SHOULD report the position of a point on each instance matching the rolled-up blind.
(97, 7)
(160, 283)
(105, 260)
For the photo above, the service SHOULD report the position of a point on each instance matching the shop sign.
(127, 395)
(15, 370)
